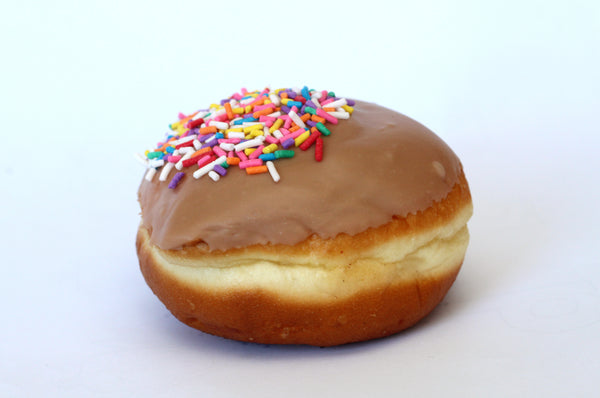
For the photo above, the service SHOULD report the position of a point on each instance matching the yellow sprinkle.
(249, 108)
(253, 127)
(301, 138)
(216, 106)
(267, 102)
(255, 133)
(175, 126)
(146, 153)
(270, 148)
(278, 123)
(284, 101)
(248, 151)
(238, 111)
(235, 130)
(348, 108)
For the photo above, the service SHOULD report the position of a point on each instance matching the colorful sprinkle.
(246, 130)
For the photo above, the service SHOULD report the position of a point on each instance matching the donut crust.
(320, 292)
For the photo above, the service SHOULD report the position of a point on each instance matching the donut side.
(319, 292)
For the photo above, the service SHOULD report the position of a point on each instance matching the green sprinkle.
(310, 110)
(283, 154)
(225, 165)
(321, 127)
(331, 94)
(154, 155)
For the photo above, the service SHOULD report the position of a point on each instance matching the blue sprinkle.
(267, 156)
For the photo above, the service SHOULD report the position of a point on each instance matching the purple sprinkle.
(223, 101)
(350, 102)
(288, 143)
(220, 169)
(302, 110)
(176, 179)
(291, 93)
(205, 137)
(285, 109)
(311, 123)
(311, 104)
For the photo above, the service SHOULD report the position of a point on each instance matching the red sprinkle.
(319, 149)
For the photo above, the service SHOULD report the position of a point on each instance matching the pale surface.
(512, 88)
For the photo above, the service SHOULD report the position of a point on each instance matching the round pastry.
(298, 217)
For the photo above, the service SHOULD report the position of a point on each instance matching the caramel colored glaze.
(377, 164)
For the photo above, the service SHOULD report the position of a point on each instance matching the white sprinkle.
(197, 144)
(156, 163)
(249, 144)
(247, 100)
(205, 169)
(316, 94)
(227, 146)
(315, 100)
(165, 171)
(274, 114)
(219, 125)
(275, 99)
(150, 174)
(185, 150)
(337, 103)
(296, 119)
(214, 175)
(188, 155)
(235, 134)
(200, 115)
(210, 140)
(340, 115)
(277, 134)
(266, 131)
(248, 124)
(273, 171)
(183, 140)
(141, 159)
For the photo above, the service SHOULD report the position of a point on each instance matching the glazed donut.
(354, 232)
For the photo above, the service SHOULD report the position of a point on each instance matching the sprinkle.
(214, 176)
(273, 171)
(250, 163)
(283, 154)
(150, 174)
(165, 172)
(141, 159)
(319, 149)
(257, 170)
(220, 169)
(267, 156)
(176, 179)
(324, 130)
(205, 169)
(247, 129)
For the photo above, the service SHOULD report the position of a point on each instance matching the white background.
(512, 86)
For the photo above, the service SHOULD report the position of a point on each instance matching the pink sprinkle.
(261, 107)
(288, 123)
(204, 160)
(250, 163)
(293, 135)
(229, 140)
(220, 152)
(284, 131)
(241, 155)
(174, 158)
(326, 116)
(221, 118)
(327, 101)
(256, 153)
(181, 116)
(231, 154)
(271, 140)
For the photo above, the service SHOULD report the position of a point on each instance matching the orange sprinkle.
(233, 161)
(265, 112)
(207, 130)
(283, 95)
(166, 144)
(305, 117)
(317, 119)
(293, 128)
(229, 111)
(256, 169)
(202, 151)
(326, 109)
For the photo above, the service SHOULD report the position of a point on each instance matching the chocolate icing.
(376, 164)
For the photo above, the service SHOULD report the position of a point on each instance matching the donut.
(294, 216)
